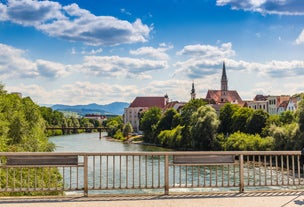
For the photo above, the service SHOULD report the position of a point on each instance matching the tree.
(166, 121)
(300, 114)
(239, 119)
(114, 124)
(188, 109)
(257, 121)
(148, 124)
(240, 141)
(204, 125)
(226, 113)
(127, 130)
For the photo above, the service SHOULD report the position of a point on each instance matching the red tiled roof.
(149, 101)
(232, 96)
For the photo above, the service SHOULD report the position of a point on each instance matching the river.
(90, 142)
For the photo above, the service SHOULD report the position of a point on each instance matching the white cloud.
(300, 39)
(73, 23)
(279, 7)
(156, 53)
(208, 51)
(14, 64)
(115, 66)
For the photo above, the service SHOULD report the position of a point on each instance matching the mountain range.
(115, 108)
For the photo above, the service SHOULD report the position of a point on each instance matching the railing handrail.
(161, 153)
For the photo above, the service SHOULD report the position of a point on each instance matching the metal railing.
(143, 172)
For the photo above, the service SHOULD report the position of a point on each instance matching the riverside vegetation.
(198, 127)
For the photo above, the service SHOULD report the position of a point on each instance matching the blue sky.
(100, 51)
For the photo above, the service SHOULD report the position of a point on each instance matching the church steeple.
(224, 80)
(193, 94)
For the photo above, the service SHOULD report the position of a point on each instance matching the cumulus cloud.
(14, 64)
(300, 39)
(151, 52)
(206, 60)
(279, 7)
(208, 51)
(73, 23)
(116, 66)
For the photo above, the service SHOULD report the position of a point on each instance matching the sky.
(101, 51)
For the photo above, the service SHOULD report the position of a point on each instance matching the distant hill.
(115, 108)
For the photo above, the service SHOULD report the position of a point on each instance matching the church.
(219, 97)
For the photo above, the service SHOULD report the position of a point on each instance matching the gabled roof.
(231, 96)
(149, 101)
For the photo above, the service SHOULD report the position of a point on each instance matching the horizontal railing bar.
(156, 153)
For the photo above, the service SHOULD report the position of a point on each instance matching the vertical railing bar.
(222, 175)
(63, 177)
(94, 170)
(192, 176)
(271, 174)
(166, 171)
(28, 179)
(288, 169)
(228, 174)
(21, 181)
(6, 179)
(113, 171)
(146, 170)
(77, 177)
(152, 171)
(186, 175)
(86, 176)
(120, 171)
(158, 171)
(180, 176)
(241, 171)
(173, 176)
(248, 169)
(216, 176)
(277, 169)
(299, 170)
(133, 172)
(254, 173)
(100, 171)
(265, 169)
(282, 172)
(204, 176)
(293, 169)
(70, 177)
(260, 179)
(14, 179)
(210, 177)
(127, 169)
(234, 175)
(107, 171)
(49, 184)
(198, 175)
(139, 171)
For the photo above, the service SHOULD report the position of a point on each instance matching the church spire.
(224, 80)
(193, 94)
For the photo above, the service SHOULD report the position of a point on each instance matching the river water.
(90, 142)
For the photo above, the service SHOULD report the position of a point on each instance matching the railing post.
(241, 171)
(166, 174)
(85, 174)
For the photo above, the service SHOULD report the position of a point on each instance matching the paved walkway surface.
(291, 199)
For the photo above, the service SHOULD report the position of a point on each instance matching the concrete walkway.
(290, 199)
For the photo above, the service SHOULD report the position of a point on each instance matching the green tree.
(167, 120)
(114, 124)
(287, 117)
(239, 119)
(204, 125)
(185, 120)
(226, 113)
(171, 138)
(240, 141)
(127, 129)
(148, 124)
(257, 121)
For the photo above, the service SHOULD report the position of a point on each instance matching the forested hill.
(115, 108)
